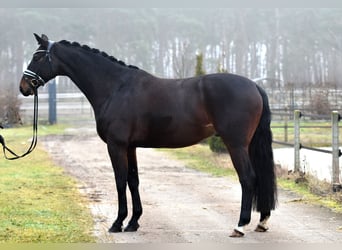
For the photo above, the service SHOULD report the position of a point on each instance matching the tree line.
(301, 47)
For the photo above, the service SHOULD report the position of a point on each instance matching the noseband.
(33, 78)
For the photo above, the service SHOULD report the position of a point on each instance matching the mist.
(300, 48)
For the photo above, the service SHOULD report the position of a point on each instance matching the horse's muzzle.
(25, 88)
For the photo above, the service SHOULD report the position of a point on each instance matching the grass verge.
(38, 202)
(312, 191)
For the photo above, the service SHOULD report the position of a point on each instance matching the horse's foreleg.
(118, 157)
(133, 184)
(246, 175)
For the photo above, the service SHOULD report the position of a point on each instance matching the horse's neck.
(91, 79)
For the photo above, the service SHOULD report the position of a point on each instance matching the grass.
(38, 202)
(200, 157)
(24, 133)
(312, 133)
(309, 189)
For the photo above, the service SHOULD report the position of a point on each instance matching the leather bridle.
(33, 78)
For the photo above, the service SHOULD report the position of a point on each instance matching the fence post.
(286, 127)
(297, 115)
(52, 102)
(335, 117)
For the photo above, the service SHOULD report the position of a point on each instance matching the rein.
(34, 135)
(35, 81)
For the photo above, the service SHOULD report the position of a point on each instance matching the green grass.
(200, 157)
(309, 135)
(38, 202)
(307, 196)
(24, 133)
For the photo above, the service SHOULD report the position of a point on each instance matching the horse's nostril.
(22, 90)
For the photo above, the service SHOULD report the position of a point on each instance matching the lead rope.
(34, 134)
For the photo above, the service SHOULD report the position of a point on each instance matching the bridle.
(35, 81)
(33, 78)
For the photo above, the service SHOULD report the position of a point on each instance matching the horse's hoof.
(132, 227)
(115, 229)
(236, 234)
(261, 228)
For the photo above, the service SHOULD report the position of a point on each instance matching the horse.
(136, 109)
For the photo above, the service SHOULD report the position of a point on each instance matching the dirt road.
(181, 205)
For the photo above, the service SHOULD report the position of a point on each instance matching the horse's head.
(40, 70)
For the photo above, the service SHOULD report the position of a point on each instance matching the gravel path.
(181, 205)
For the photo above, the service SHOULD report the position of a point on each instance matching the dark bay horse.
(135, 109)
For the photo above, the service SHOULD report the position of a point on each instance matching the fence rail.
(335, 117)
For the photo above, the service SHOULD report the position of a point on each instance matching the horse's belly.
(182, 137)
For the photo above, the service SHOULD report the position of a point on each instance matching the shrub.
(9, 109)
(199, 65)
(320, 103)
(216, 145)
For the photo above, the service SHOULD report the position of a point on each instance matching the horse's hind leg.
(262, 226)
(133, 184)
(242, 164)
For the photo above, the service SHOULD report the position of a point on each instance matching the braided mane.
(96, 51)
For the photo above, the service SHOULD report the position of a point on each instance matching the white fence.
(321, 162)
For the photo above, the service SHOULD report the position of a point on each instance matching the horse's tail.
(261, 155)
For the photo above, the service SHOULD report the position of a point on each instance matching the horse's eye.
(37, 57)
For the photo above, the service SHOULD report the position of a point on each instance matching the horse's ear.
(37, 37)
(44, 40)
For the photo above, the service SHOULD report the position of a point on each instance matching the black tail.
(261, 154)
